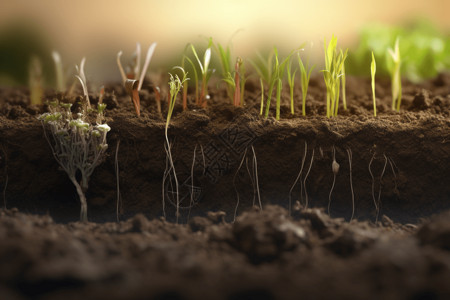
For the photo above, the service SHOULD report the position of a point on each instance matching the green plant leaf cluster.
(271, 71)
(425, 50)
(332, 74)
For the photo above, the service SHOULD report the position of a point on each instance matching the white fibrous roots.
(77, 145)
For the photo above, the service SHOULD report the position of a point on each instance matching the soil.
(253, 222)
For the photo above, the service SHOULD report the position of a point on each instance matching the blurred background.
(99, 29)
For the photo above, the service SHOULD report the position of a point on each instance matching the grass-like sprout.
(77, 145)
(205, 72)
(134, 79)
(305, 72)
(35, 81)
(195, 77)
(334, 69)
(175, 85)
(263, 68)
(291, 81)
(277, 78)
(185, 84)
(344, 94)
(261, 106)
(394, 70)
(373, 70)
(236, 83)
(271, 71)
(225, 63)
(82, 78)
(60, 82)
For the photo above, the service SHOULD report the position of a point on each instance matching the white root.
(350, 158)
(306, 177)
(169, 154)
(204, 160)
(335, 170)
(250, 174)
(392, 164)
(116, 168)
(298, 177)
(255, 168)
(167, 172)
(377, 201)
(373, 184)
(234, 184)
(381, 184)
(192, 183)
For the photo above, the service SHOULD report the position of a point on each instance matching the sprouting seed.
(335, 170)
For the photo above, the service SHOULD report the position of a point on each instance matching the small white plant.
(77, 145)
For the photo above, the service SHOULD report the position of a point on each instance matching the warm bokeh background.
(99, 28)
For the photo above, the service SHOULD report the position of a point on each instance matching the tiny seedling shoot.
(373, 70)
(394, 70)
(225, 63)
(235, 84)
(271, 73)
(35, 81)
(134, 78)
(205, 72)
(291, 81)
(60, 82)
(305, 72)
(334, 70)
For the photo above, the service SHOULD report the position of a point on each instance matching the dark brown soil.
(263, 255)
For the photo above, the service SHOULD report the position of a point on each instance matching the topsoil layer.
(393, 168)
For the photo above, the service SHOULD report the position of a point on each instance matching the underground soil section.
(263, 255)
(274, 179)
(398, 161)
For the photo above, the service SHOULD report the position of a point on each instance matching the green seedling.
(134, 79)
(236, 83)
(82, 79)
(271, 71)
(262, 96)
(394, 70)
(279, 73)
(334, 69)
(305, 73)
(175, 85)
(263, 68)
(278, 98)
(205, 72)
(344, 94)
(194, 71)
(186, 83)
(291, 81)
(335, 170)
(230, 77)
(225, 63)
(60, 82)
(77, 145)
(424, 49)
(35, 81)
(373, 70)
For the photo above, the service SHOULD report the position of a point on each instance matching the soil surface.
(299, 229)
